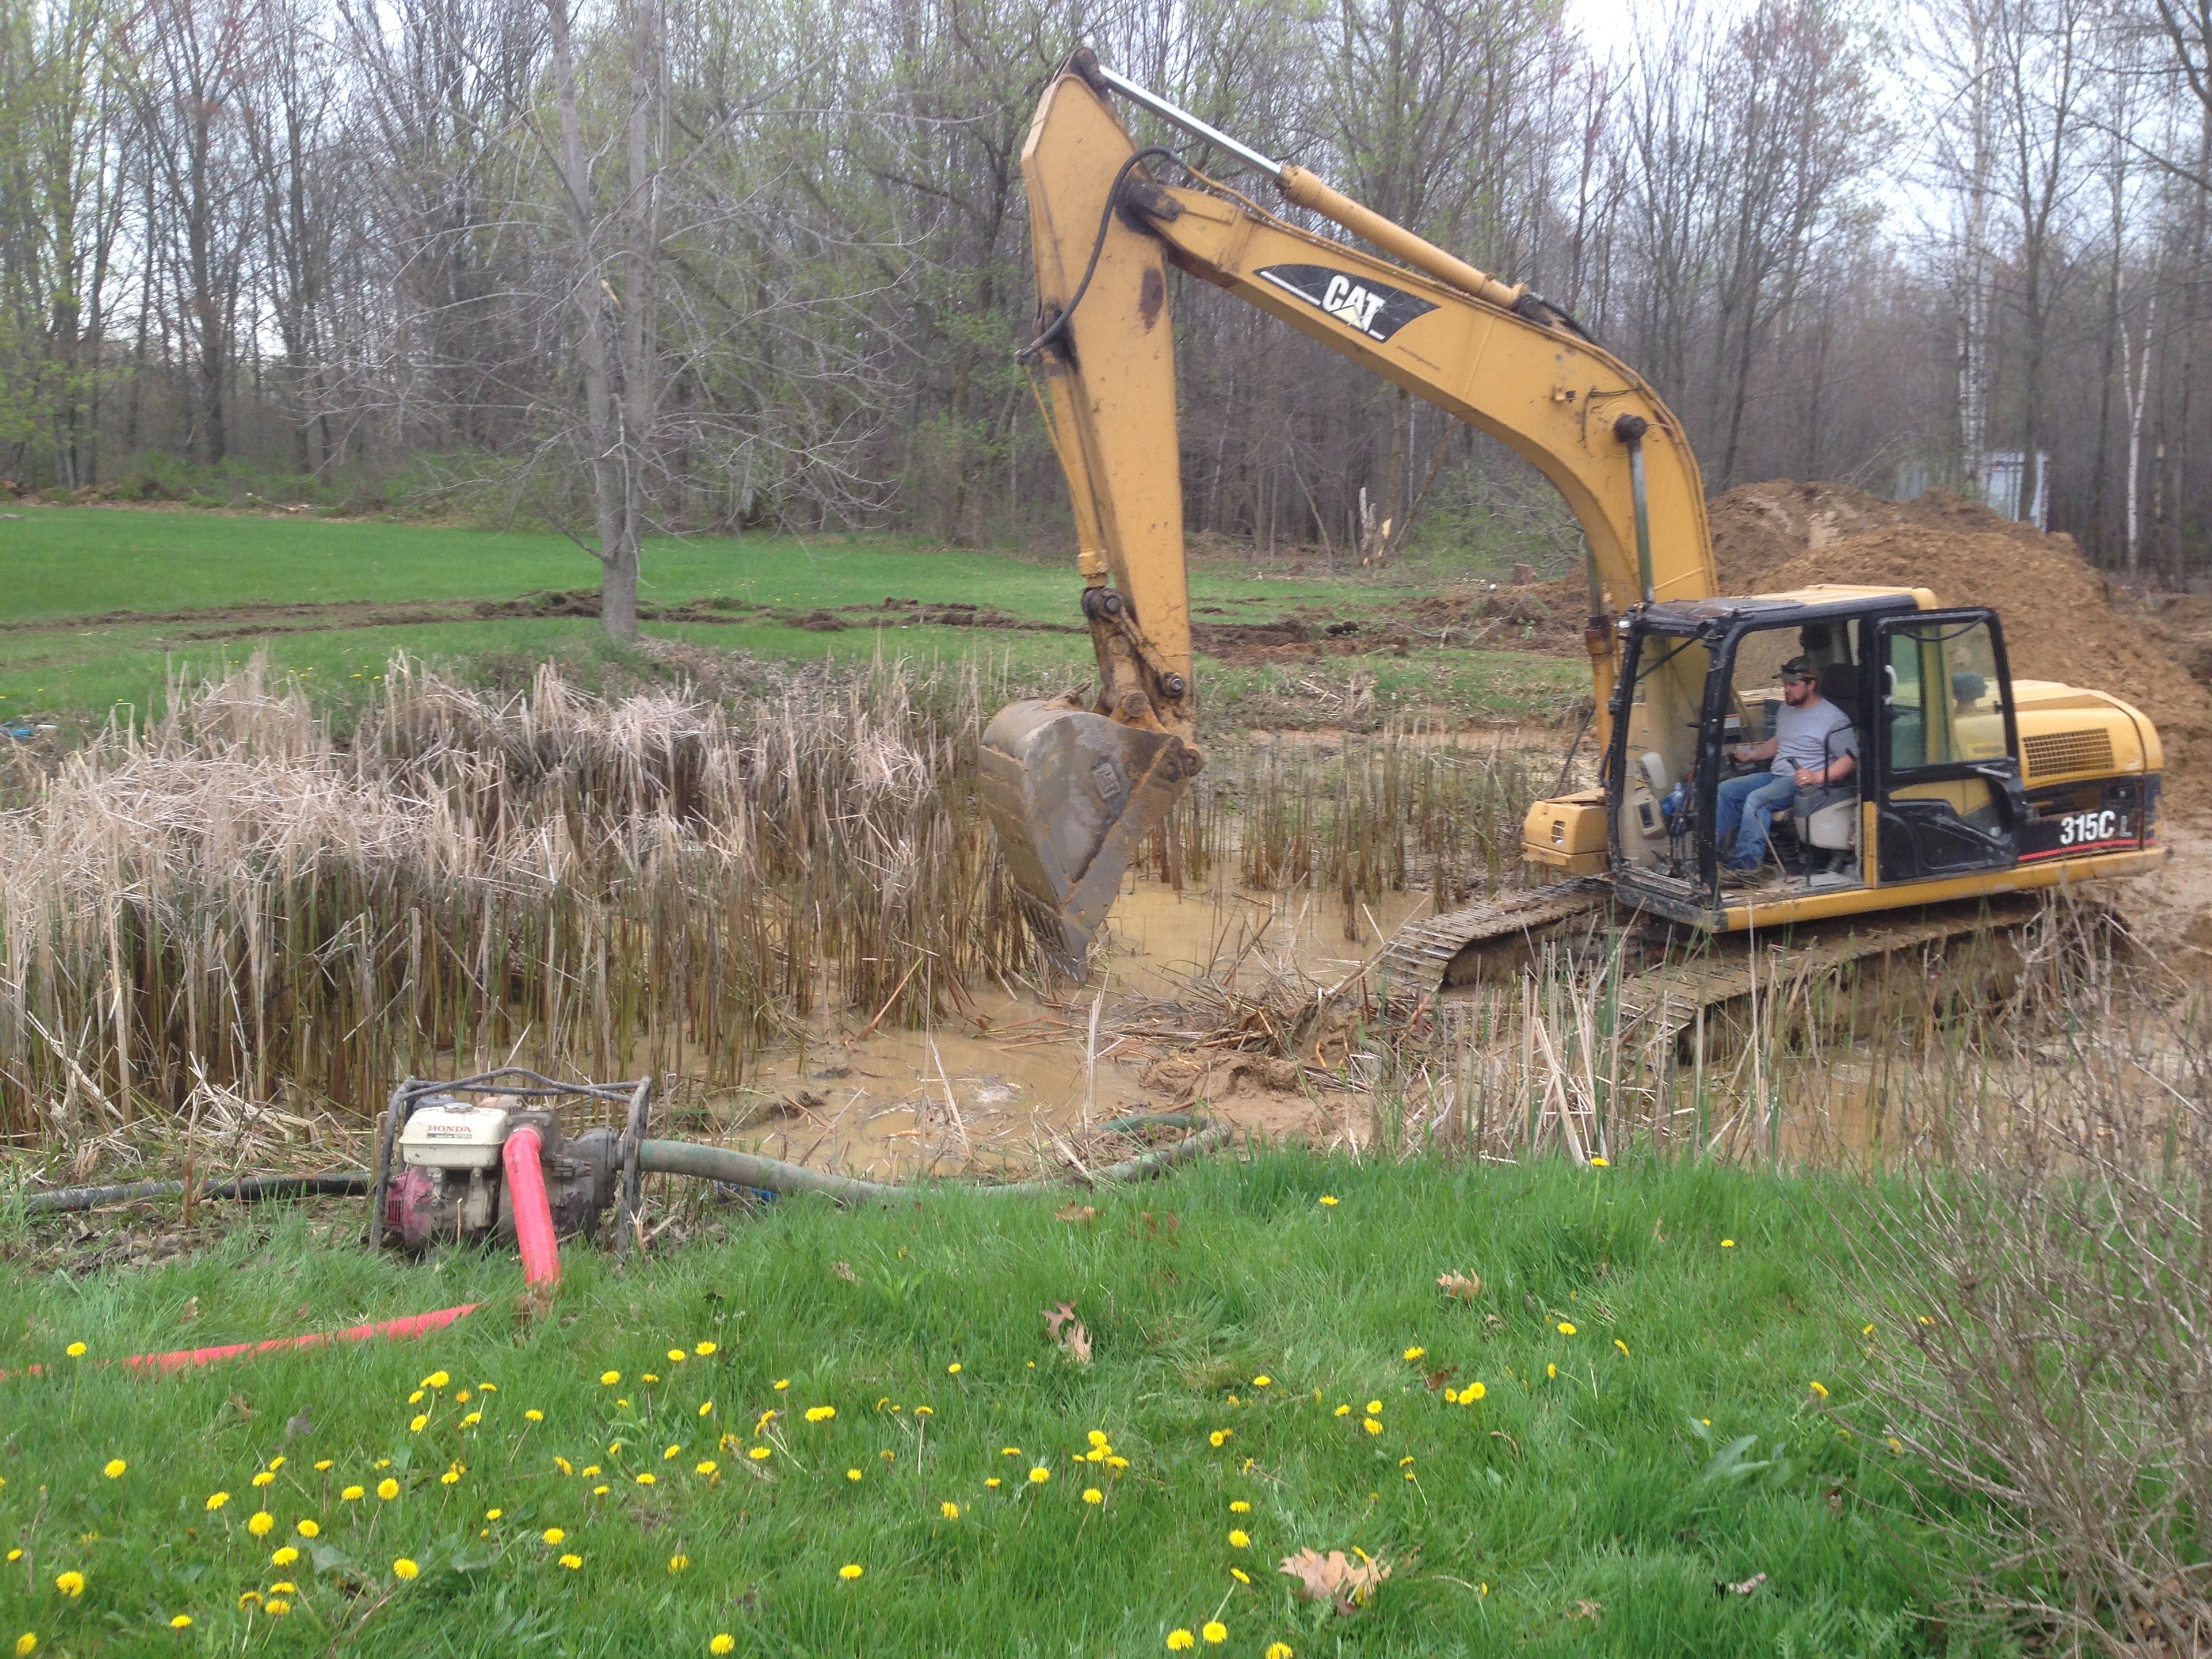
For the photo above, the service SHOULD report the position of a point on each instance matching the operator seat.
(1835, 827)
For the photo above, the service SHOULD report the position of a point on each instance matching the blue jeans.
(1745, 807)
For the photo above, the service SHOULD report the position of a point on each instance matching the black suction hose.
(352, 1183)
(686, 1157)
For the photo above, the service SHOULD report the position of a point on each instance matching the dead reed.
(237, 896)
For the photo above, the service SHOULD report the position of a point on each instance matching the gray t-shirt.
(1811, 736)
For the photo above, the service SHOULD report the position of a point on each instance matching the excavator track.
(1421, 953)
(1659, 1004)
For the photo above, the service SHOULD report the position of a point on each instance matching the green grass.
(89, 563)
(1502, 1518)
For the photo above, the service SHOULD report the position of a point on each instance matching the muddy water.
(1018, 1086)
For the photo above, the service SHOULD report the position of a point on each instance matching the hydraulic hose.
(533, 1216)
(686, 1157)
(351, 1183)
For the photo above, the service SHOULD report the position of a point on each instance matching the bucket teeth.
(1073, 794)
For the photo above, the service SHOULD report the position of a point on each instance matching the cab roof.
(1824, 602)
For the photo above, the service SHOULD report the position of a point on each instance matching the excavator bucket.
(1073, 794)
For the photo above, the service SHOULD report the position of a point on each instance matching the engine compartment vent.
(2061, 754)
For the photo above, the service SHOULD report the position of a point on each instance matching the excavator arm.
(1074, 789)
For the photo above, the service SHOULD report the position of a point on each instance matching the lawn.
(95, 564)
(1275, 1368)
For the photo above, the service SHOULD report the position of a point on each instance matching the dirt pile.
(1760, 526)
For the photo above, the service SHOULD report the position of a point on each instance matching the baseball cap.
(1800, 668)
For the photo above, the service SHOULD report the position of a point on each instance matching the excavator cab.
(1934, 789)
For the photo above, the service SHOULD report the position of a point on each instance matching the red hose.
(178, 1359)
(533, 1216)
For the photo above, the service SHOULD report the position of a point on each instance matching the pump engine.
(450, 1186)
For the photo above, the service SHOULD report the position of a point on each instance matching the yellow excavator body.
(1965, 780)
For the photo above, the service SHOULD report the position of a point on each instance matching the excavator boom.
(1074, 789)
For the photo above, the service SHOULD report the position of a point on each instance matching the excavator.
(1966, 784)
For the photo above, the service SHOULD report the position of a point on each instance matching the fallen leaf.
(1744, 1588)
(844, 1271)
(1075, 1213)
(1335, 1578)
(1437, 1379)
(191, 1309)
(238, 1404)
(1067, 1330)
(1592, 1611)
(302, 1424)
(1461, 1287)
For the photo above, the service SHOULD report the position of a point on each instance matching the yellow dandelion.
(992, 1481)
(181, 1621)
(1181, 1641)
(1375, 1408)
(1471, 1393)
(1039, 1475)
(759, 1453)
(723, 1642)
(1238, 1539)
(608, 1379)
(782, 1383)
(1220, 1437)
(601, 1491)
(646, 1478)
(284, 1557)
(706, 1408)
(261, 1523)
(352, 1494)
(953, 1370)
(387, 1489)
(1370, 1425)
(1566, 1328)
(1622, 1346)
(1263, 1382)
(450, 1478)
(266, 1477)
(1727, 1243)
(679, 1563)
(493, 1515)
(25, 1645)
(1010, 1451)
(676, 1356)
(1344, 1411)
(416, 1398)
(436, 1380)
(950, 1511)
(70, 1583)
(308, 1528)
(1328, 1199)
(1214, 1631)
(850, 1571)
(1240, 1575)
(572, 1562)
(1451, 1397)
(1817, 1389)
(852, 1475)
(75, 1350)
(820, 1413)
(217, 1499)
(1895, 1445)
(1599, 1163)
(705, 1465)
(326, 1466)
(670, 1453)
(114, 1467)
(591, 1469)
(404, 1568)
(703, 1349)
(1238, 1506)
(1092, 1495)
(461, 1398)
(276, 1607)
(1279, 1650)
(554, 1535)
(1416, 1353)
(533, 1415)
(418, 1424)
(471, 1419)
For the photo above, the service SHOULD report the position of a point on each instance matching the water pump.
(456, 1170)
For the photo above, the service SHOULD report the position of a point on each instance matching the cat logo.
(1376, 309)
